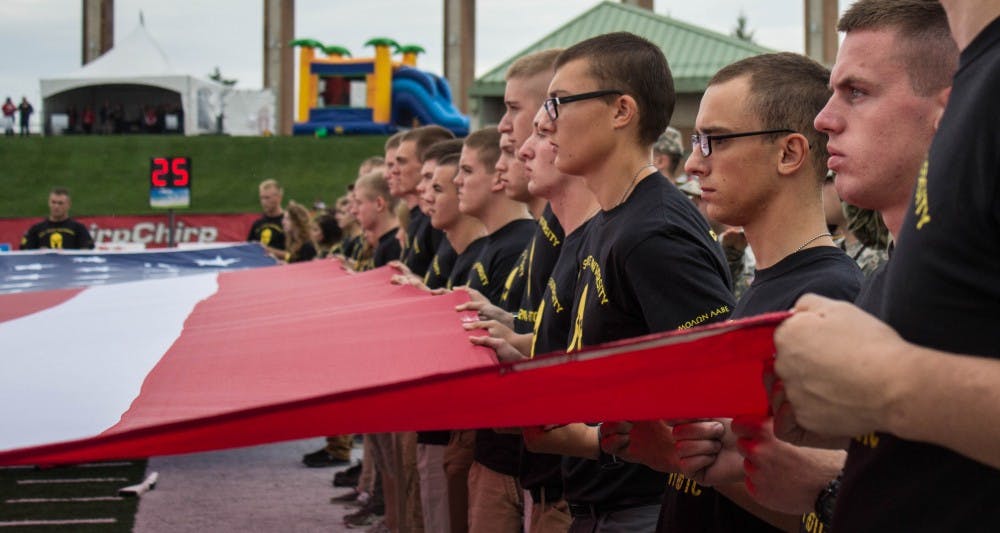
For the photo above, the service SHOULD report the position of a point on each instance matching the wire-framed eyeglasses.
(552, 104)
(703, 141)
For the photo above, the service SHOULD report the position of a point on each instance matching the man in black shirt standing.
(58, 231)
(931, 463)
(495, 497)
(267, 230)
(649, 263)
(421, 239)
(761, 166)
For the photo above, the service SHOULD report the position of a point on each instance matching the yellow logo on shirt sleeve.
(921, 206)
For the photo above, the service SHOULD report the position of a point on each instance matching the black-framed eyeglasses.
(552, 104)
(703, 141)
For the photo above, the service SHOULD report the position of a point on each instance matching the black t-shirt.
(942, 291)
(441, 265)
(459, 276)
(422, 241)
(503, 247)
(351, 246)
(823, 270)
(388, 249)
(551, 331)
(66, 234)
(648, 265)
(534, 270)
(496, 451)
(306, 253)
(268, 231)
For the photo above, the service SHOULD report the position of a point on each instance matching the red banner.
(152, 231)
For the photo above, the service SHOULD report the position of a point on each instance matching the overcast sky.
(42, 38)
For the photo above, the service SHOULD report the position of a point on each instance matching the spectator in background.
(298, 240)
(58, 230)
(8, 116)
(88, 120)
(25, 109)
(668, 154)
(349, 228)
(268, 229)
(326, 233)
(859, 232)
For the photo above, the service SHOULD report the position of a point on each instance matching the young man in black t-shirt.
(649, 263)
(421, 239)
(58, 231)
(267, 230)
(761, 166)
(495, 499)
(377, 216)
(925, 402)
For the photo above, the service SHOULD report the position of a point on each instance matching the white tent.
(137, 75)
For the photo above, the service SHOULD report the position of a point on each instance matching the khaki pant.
(496, 501)
(340, 446)
(366, 481)
(409, 514)
(550, 517)
(433, 487)
(457, 461)
(387, 468)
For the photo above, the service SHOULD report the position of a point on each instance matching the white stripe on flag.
(71, 371)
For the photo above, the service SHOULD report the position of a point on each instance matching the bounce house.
(341, 95)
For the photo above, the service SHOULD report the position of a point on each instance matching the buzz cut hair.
(486, 142)
(425, 136)
(270, 184)
(531, 65)
(787, 90)
(927, 49)
(393, 142)
(374, 185)
(626, 62)
(59, 191)
(441, 149)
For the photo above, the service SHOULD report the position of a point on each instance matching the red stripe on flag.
(21, 304)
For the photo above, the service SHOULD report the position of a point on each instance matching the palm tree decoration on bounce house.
(395, 93)
(410, 52)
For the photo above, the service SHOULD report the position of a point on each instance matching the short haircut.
(370, 163)
(531, 65)
(635, 66)
(787, 90)
(425, 136)
(393, 142)
(928, 50)
(450, 159)
(487, 143)
(373, 185)
(59, 191)
(270, 184)
(441, 149)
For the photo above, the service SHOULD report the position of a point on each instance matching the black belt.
(593, 510)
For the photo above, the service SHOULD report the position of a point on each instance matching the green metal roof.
(695, 54)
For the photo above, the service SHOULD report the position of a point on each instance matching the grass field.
(109, 175)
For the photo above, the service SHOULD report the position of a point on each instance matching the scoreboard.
(169, 182)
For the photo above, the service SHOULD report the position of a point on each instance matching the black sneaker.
(349, 477)
(366, 516)
(322, 458)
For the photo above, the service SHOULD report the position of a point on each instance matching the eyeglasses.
(704, 141)
(552, 104)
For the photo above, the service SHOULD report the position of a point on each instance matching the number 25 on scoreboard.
(170, 172)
